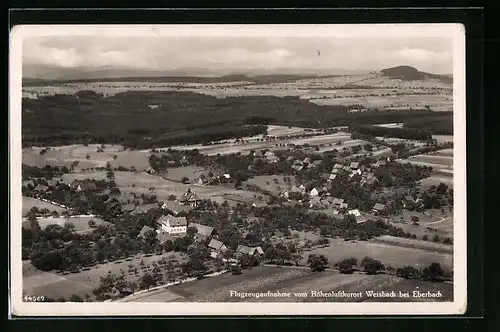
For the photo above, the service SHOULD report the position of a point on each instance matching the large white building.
(172, 225)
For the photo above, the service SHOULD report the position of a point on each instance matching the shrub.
(433, 272)
(347, 265)
(407, 272)
(372, 266)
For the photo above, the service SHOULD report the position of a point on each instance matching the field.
(48, 284)
(251, 143)
(191, 172)
(267, 182)
(66, 155)
(388, 254)
(141, 183)
(441, 222)
(285, 280)
(81, 222)
(29, 202)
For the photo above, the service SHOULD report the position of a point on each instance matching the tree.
(346, 266)
(415, 220)
(92, 223)
(442, 188)
(185, 180)
(148, 280)
(372, 266)
(407, 272)
(191, 231)
(318, 263)
(433, 272)
(368, 147)
(87, 156)
(110, 175)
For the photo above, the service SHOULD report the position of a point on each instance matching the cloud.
(165, 53)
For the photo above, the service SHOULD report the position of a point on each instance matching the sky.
(296, 54)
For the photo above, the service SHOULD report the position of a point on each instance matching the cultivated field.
(191, 172)
(48, 284)
(268, 182)
(81, 222)
(67, 155)
(29, 202)
(388, 254)
(286, 280)
(142, 183)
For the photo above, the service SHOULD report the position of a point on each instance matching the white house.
(172, 225)
(314, 192)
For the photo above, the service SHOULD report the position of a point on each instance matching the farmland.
(389, 255)
(286, 280)
(48, 284)
(28, 203)
(77, 154)
(81, 223)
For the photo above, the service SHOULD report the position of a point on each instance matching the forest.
(180, 118)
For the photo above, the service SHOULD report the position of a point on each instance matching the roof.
(243, 249)
(173, 221)
(379, 206)
(87, 185)
(317, 162)
(409, 198)
(41, 187)
(314, 191)
(202, 229)
(347, 168)
(189, 197)
(306, 160)
(338, 166)
(335, 171)
(354, 212)
(289, 158)
(354, 164)
(344, 206)
(26, 182)
(174, 206)
(215, 244)
(144, 230)
(332, 176)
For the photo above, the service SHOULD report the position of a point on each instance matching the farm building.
(84, 186)
(172, 225)
(189, 198)
(338, 166)
(354, 165)
(378, 207)
(216, 247)
(41, 188)
(245, 250)
(203, 231)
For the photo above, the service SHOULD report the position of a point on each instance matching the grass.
(66, 155)
(29, 202)
(191, 172)
(53, 285)
(267, 182)
(81, 223)
(387, 254)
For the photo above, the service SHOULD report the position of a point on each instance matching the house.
(380, 163)
(200, 181)
(335, 171)
(153, 106)
(354, 212)
(354, 165)
(314, 192)
(41, 188)
(216, 247)
(302, 188)
(251, 251)
(409, 198)
(317, 162)
(370, 180)
(172, 225)
(226, 176)
(298, 168)
(189, 198)
(338, 166)
(150, 170)
(203, 231)
(271, 157)
(344, 206)
(309, 166)
(184, 161)
(346, 168)
(332, 176)
(337, 201)
(378, 207)
(306, 160)
(144, 231)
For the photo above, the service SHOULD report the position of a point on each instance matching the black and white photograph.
(237, 169)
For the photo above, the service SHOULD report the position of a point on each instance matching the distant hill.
(260, 79)
(408, 73)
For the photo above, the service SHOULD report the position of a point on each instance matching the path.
(437, 222)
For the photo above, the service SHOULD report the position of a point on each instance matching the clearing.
(29, 202)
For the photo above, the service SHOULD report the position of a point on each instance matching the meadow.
(28, 203)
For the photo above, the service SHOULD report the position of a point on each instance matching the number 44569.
(40, 298)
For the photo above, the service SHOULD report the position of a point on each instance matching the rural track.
(436, 222)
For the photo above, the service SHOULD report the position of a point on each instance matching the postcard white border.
(458, 306)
